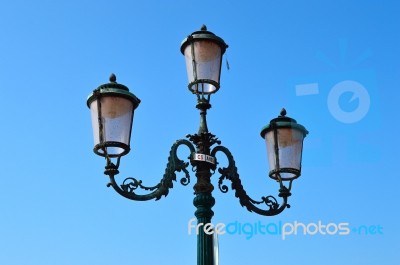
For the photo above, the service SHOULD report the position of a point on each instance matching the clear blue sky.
(334, 65)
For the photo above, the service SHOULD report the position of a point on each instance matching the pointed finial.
(283, 112)
(203, 27)
(113, 78)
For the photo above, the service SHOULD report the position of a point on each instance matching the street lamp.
(112, 107)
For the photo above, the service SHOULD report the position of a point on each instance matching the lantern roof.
(282, 121)
(203, 34)
(113, 89)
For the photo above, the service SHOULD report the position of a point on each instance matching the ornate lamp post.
(112, 107)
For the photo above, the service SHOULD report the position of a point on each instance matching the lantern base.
(203, 87)
(111, 149)
(284, 174)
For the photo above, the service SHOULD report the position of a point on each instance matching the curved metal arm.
(230, 173)
(129, 185)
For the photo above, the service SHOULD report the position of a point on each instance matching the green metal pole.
(203, 188)
(205, 248)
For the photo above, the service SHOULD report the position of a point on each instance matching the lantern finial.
(113, 78)
(283, 112)
(203, 27)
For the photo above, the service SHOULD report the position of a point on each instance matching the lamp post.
(112, 107)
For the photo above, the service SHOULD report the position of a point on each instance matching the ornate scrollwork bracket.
(230, 173)
(130, 185)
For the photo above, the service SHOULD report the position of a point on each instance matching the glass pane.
(116, 117)
(290, 144)
(207, 55)
(95, 122)
(269, 139)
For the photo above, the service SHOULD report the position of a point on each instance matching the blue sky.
(55, 206)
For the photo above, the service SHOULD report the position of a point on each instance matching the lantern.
(284, 139)
(112, 107)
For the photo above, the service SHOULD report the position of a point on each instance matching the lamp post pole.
(204, 200)
(112, 107)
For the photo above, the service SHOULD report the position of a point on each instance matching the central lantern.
(203, 52)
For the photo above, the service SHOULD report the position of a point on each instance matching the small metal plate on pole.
(203, 157)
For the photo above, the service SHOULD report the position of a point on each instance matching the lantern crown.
(203, 34)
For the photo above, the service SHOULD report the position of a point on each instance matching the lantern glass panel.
(290, 145)
(207, 61)
(116, 118)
